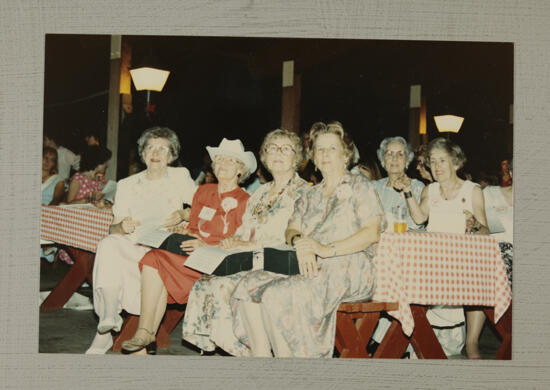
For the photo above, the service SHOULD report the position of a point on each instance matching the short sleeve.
(120, 202)
(188, 186)
(366, 202)
(300, 207)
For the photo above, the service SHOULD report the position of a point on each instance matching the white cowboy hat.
(233, 148)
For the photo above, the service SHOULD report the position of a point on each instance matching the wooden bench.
(355, 323)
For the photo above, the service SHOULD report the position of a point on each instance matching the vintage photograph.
(277, 197)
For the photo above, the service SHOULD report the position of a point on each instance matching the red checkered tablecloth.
(79, 227)
(440, 268)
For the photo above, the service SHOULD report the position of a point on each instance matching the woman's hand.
(180, 229)
(173, 219)
(403, 183)
(307, 263)
(97, 196)
(472, 224)
(128, 225)
(306, 244)
(234, 243)
(191, 245)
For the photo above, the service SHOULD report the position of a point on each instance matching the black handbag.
(233, 263)
(281, 261)
(173, 242)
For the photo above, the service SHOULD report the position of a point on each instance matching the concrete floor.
(72, 331)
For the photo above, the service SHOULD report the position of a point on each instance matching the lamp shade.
(448, 123)
(147, 78)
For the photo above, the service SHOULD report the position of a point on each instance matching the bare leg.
(475, 319)
(153, 306)
(254, 327)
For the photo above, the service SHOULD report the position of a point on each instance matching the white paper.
(77, 205)
(152, 237)
(109, 190)
(207, 258)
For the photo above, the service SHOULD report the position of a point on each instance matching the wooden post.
(291, 96)
(113, 113)
(415, 115)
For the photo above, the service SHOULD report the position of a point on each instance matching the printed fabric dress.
(208, 320)
(302, 311)
(87, 186)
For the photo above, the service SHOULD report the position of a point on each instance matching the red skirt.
(177, 278)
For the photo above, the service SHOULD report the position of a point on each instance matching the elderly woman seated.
(209, 316)
(216, 213)
(116, 273)
(86, 185)
(450, 205)
(334, 227)
(395, 154)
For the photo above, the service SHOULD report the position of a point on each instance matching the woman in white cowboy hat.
(216, 213)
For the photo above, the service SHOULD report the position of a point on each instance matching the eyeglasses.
(391, 154)
(287, 150)
(159, 148)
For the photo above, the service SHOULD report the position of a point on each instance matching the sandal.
(136, 344)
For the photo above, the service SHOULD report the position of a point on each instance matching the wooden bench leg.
(83, 264)
(504, 329)
(352, 337)
(423, 339)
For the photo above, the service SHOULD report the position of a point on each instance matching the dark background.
(231, 87)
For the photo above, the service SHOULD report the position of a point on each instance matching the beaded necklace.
(263, 207)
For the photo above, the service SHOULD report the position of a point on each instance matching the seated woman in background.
(209, 317)
(53, 186)
(53, 191)
(86, 185)
(501, 201)
(367, 168)
(334, 228)
(216, 213)
(450, 205)
(395, 155)
(147, 200)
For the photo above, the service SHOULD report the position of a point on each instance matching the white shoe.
(108, 324)
(101, 344)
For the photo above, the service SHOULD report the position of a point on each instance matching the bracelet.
(408, 194)
(293, 238)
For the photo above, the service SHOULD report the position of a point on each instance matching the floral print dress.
(208, 317)
(302, 311)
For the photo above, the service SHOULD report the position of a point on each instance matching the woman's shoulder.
(79, 176)
(180, 172)
(135, 178)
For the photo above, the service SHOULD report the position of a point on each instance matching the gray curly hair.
(159, 132)
(388, 140)
(294, 140)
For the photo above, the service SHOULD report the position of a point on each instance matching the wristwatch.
(294, 237)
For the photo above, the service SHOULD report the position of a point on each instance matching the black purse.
(281, 261)
(234, 263)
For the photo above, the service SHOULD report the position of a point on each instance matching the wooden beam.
(291, 98)
(113, 113)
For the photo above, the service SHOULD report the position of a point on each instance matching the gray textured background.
(22, 28)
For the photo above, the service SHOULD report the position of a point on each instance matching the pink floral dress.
(87, 186)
